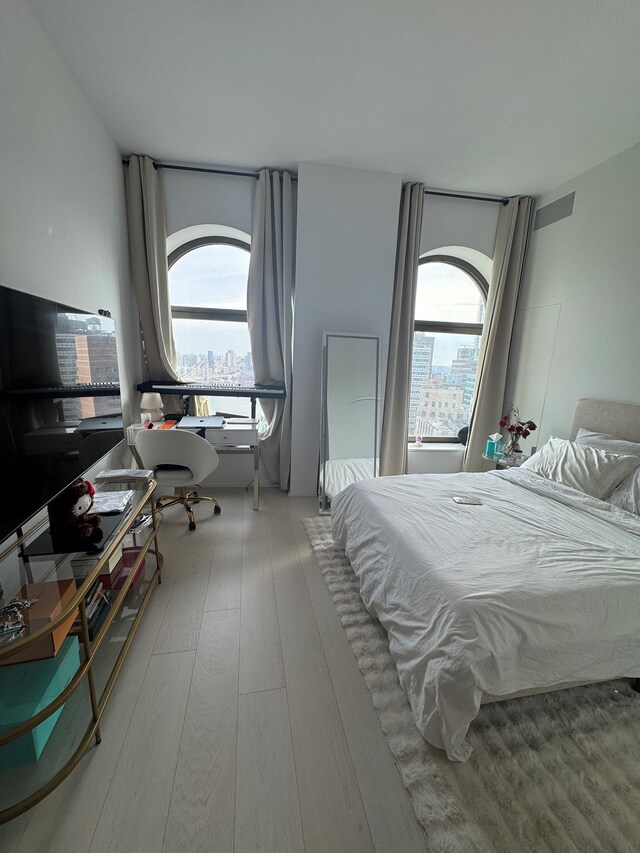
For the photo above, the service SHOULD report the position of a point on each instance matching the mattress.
(538, 585)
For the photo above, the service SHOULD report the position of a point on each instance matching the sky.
(212, 276)
(446, 292)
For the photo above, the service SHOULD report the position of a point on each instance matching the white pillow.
(608, 443)
(586, 469)
(627, 495)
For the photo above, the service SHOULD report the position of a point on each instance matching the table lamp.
(152, 402)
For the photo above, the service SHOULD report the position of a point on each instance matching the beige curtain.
(508, 261)
(148, 253)
(395, 418)
(149, 273)
(270, 313)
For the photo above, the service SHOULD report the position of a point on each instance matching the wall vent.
(554, 212)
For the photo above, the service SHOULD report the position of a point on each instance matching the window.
(450, 305)
(208, 295)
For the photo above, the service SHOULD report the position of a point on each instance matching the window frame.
(450, 327)
(199, 312)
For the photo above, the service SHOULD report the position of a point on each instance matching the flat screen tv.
(60, 407)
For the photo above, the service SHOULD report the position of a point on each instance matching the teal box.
(492, 446)
(25, 689)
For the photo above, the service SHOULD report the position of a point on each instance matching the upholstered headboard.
(619, 419)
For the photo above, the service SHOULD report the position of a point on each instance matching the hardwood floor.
(240, 722)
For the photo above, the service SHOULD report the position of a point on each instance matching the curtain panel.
(148, 255)
(512, 237)
(149, 273)
(270, 313)
(395, 418)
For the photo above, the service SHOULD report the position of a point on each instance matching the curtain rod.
(250, 173)
(453, 194)
(209, 170)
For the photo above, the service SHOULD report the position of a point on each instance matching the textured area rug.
(557, 772)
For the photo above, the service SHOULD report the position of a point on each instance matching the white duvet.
(537, 586)
(340, 473)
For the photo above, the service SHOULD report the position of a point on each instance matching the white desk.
(239, 438)
(231, 438)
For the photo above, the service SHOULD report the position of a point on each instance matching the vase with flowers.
(517, 429)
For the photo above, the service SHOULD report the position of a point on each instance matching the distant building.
(421, 365)
(442, 408)
(102, 366)
(465, 366)
(440, 411)
(87, 358)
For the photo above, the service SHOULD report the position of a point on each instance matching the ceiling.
(498, 96)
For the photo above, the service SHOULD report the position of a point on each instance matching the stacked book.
(97, 604)
(83, 564)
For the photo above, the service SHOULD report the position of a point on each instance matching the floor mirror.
(350, 412)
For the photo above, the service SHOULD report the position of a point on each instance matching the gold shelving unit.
(86, 670)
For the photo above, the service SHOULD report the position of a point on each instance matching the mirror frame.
(324, 499)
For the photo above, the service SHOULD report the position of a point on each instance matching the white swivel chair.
(180, 459)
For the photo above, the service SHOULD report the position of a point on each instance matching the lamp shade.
(151, 400)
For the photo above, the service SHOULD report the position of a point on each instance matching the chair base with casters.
(179, 460)
(186, 499)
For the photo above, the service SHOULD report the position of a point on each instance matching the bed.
(535, 589)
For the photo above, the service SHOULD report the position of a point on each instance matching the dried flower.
(517, 428)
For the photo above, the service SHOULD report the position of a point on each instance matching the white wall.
(346, 246)
(577, 329)
(62, 223)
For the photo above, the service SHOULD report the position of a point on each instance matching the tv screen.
(60, 407)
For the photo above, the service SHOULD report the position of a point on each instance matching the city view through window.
(213, 276)
(444, 363)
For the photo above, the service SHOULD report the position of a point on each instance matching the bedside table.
(506, 461)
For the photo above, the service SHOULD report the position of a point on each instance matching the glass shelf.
(77, 673)
(503, 461)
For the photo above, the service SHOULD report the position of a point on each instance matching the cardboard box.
(25, 690)
(53, 597)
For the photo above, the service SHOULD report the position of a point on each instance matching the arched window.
(208, 295)
(450, 305)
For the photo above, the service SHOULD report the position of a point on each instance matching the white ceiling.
(504, 96)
